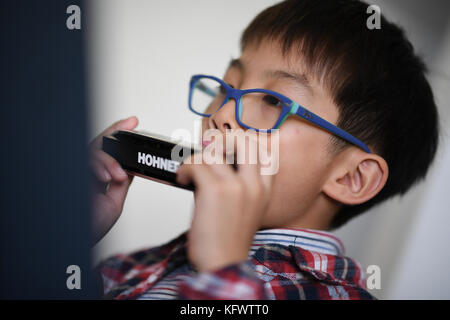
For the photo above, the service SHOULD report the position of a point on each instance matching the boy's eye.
(221, 89)
(273, 101)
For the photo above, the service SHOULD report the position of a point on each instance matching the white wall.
(142, 54)
(421, 269)
(388, 235)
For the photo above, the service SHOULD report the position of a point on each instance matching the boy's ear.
(356, 177)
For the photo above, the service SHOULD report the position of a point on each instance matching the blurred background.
(141, 55)
(44, 209)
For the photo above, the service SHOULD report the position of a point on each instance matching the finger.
(268, 158)
(247, 157)
(267, 181)
(222, 170)
(199, 174)
(100, 171)
(213, 155)
(111, 165)
(117, 192)
(125, 124)
(249, 148)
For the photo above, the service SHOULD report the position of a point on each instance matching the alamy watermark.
(374, 20)
(73, 21)
(235, 146)
(74, 279)
(373, 280)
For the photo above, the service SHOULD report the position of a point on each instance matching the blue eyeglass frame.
(289, 108)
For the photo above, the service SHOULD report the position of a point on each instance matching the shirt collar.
(307, 239)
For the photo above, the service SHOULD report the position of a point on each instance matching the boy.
(265, 237)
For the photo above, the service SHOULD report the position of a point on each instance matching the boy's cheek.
(293, 190)
(302, 166)
(301, 142)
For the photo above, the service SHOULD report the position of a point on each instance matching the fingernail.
(126, 119)
(121, 172)
(106, 175)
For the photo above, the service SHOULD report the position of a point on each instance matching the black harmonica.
(148, 155)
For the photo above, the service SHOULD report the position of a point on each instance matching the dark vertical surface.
(44, 184)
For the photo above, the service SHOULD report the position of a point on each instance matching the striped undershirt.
(312, 240)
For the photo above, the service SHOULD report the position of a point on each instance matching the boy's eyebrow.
(236, 63)
(299, 78)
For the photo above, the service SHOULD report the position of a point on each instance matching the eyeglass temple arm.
(315, 119)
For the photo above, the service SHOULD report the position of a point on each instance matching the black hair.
(374, 77)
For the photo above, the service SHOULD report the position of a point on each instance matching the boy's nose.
(224, 118)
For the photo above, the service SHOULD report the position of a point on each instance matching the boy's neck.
(318, 217)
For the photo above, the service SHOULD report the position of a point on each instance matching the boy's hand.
(108, 202)
(229, 207)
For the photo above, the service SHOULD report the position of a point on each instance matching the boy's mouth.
(231, 156)
(205, 143)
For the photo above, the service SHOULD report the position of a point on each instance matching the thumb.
(125, 124)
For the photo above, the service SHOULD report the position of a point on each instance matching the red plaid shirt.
(282, 264)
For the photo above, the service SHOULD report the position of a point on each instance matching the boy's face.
(296, 199)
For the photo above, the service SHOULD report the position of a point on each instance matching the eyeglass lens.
(258, 110)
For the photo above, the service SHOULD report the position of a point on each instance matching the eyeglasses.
(257, 109)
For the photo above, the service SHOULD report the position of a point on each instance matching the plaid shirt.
(282, 264)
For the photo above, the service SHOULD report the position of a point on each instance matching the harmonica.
(148, 155)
